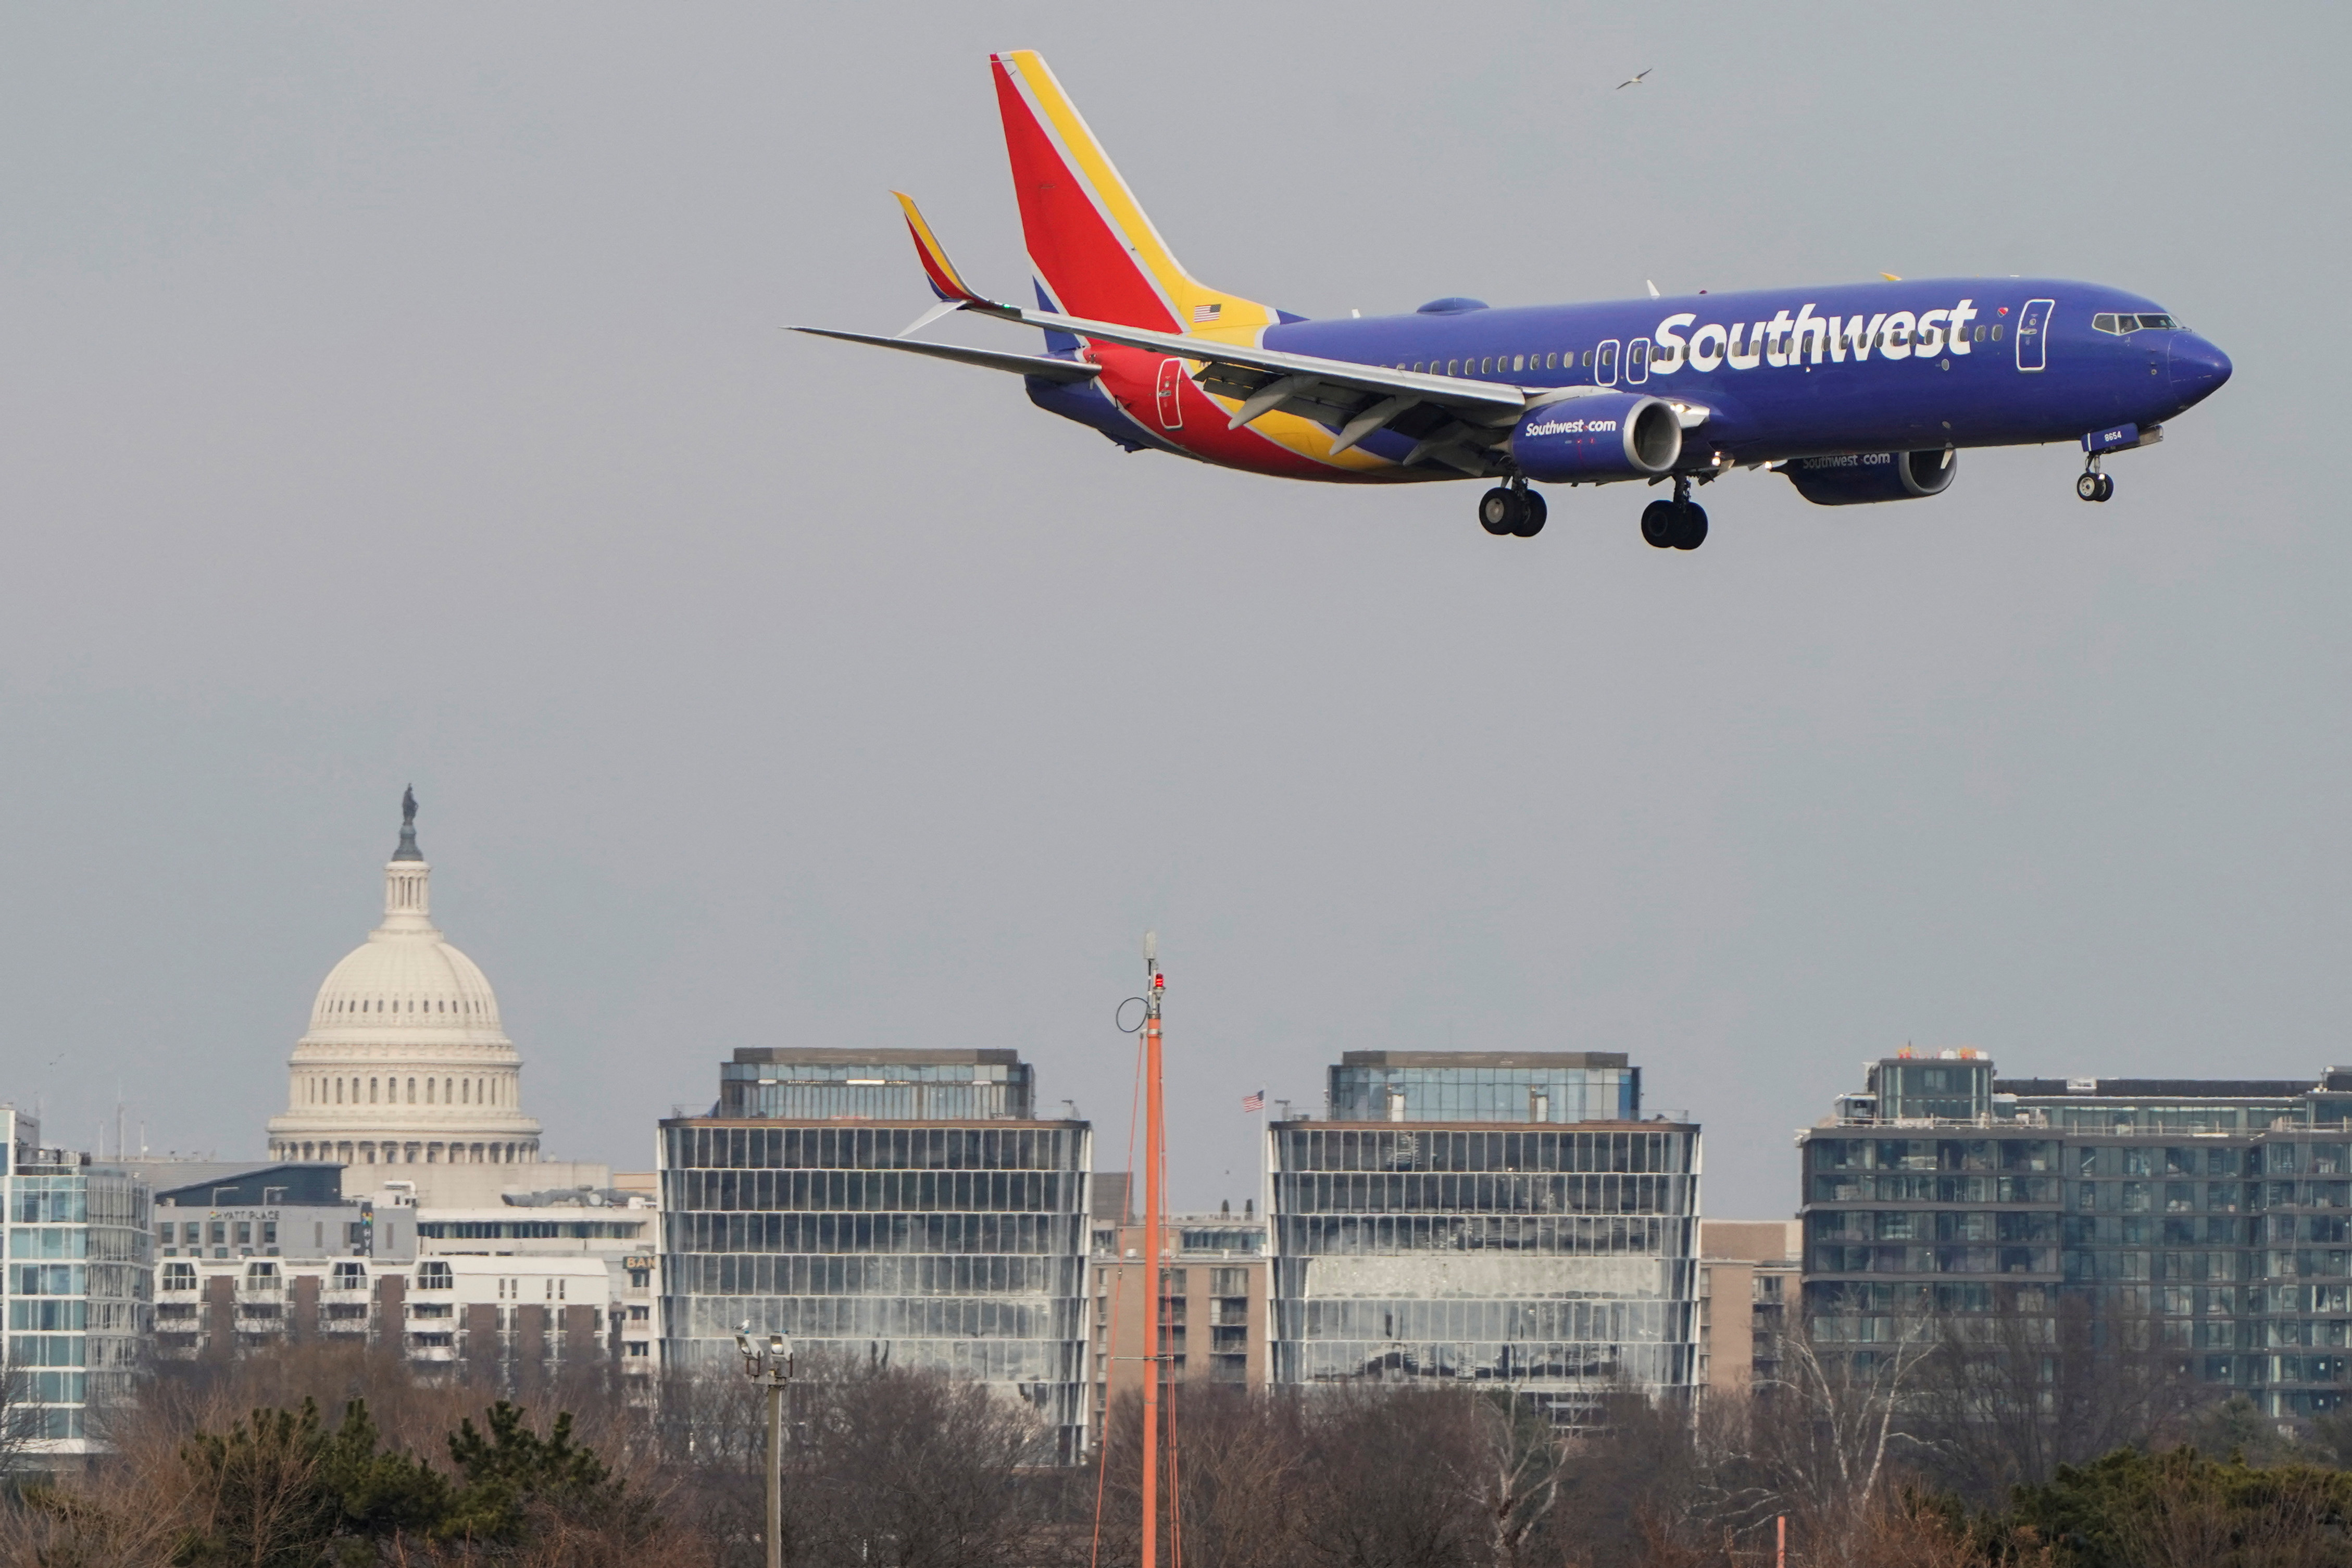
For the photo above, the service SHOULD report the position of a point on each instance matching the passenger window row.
(1498, 364)
(1510, 364)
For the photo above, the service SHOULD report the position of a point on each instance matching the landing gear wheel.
(1533, 510)
(1691, 533)
(1658, 525)
(1499, 510)
(2107, 487)
(2089, 485)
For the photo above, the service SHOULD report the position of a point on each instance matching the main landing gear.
(2094, 486)
(1513, 510)
(1679, 524)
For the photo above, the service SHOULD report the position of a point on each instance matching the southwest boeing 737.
(1858, 393)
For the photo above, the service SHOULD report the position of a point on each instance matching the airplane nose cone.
(2199, 368)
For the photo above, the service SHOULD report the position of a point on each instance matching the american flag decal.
(1206, 313)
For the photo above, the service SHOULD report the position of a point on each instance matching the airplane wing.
(1451, 420)
(987, 358)
(1339, 393)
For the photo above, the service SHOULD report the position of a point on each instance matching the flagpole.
(1263, 1154)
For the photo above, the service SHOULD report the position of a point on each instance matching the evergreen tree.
(513, 1469)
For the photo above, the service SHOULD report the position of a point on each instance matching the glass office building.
(943, 1239)
(79, 1287)
(882, 1086)
(1434, 1229)
(2213, 1211)
(1445, 1086)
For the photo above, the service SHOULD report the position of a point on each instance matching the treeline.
(1921, 1455)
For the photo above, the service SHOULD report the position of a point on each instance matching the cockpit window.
(2158, 323)
(2121, 324)
(2106, 322)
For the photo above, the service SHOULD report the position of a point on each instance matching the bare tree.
(1236, 1470)
(1519, 1460)
(2009, 1396)
(1826, 1438)
(924, 1470)
(20, 1418)
(2201, 1513)
(1390, 1478)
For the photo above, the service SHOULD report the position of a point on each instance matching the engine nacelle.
(1859, 478)
(1612, 435)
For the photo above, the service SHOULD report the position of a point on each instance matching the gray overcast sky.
(394, 393)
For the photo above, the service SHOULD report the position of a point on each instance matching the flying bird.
(1634, 80)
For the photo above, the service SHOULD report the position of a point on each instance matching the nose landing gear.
(1679, 524)
(1513, 510)
(2094, 486)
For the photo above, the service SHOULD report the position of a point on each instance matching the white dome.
(407, 981)
(404, 1061)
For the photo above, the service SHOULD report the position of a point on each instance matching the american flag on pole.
(1254, 1102)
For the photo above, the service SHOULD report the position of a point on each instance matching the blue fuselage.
(1795, 372)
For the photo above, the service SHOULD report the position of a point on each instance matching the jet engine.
(1861, 477)
(1609, 435)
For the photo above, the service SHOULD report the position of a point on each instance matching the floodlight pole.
(771, 1366)
(1153, 1220)
(775, 1471)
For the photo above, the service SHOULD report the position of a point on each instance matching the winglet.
(945, 281)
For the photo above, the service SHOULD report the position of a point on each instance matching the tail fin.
(1095, 253)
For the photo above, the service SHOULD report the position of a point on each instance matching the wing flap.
(1482, 399)
(986, 359)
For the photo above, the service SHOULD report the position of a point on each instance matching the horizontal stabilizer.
(987, 358)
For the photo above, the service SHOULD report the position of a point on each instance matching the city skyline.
(1036, 1096)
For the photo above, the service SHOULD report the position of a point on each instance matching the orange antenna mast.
(1154, 1222)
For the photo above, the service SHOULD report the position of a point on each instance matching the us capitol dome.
(405, 1062)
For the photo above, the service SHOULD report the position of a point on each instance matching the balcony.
(343, 1318)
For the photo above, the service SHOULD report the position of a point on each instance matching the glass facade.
(1561, 1261)
(1484, 1086)
(880, 1085)
(958, 1245)
(2215, 1211)
(78, 1290)
(1959, 1089)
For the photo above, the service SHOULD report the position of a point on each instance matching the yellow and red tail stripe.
(1097, 255)
(1095, 250)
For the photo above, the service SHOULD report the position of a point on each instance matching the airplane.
(1858, 393)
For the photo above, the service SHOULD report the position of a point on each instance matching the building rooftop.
(2153, 1088)
(1483, 1059)
(304, 1183)
(851, 1123)
(825, 1056)
(1677, 1121)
